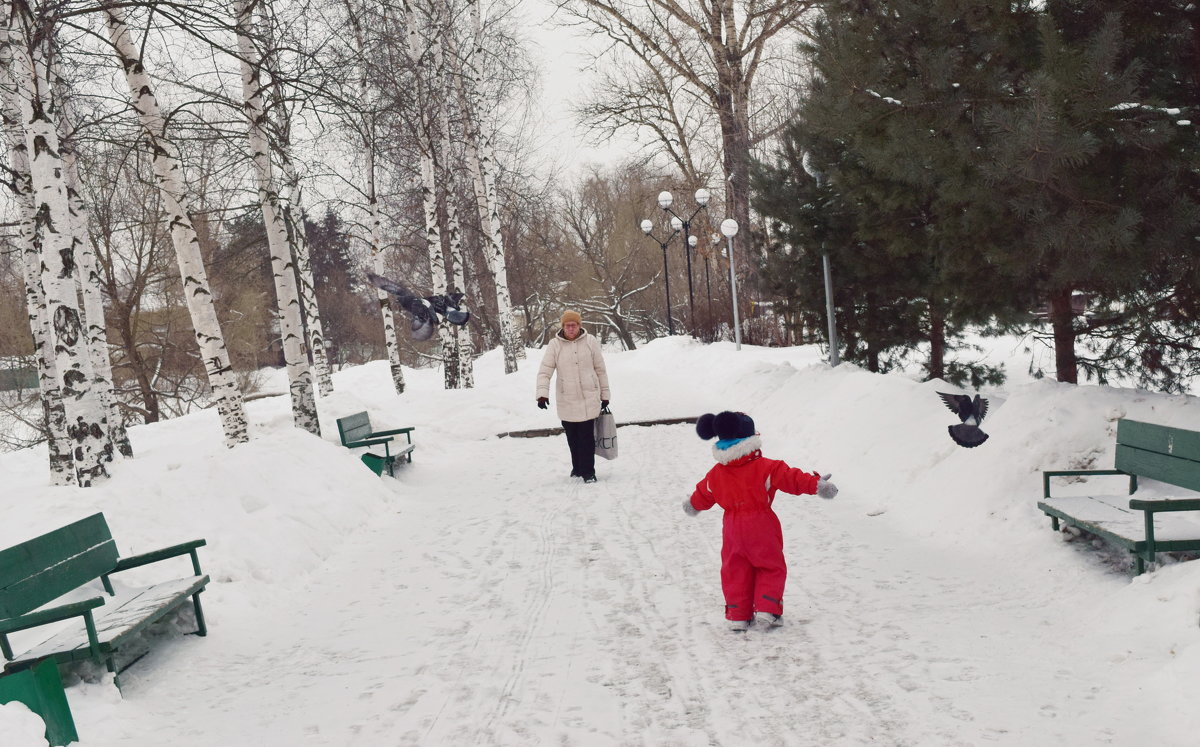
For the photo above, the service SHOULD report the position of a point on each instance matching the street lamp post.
(729, 227)
(834, 356)
(665, 200)
(648, 228)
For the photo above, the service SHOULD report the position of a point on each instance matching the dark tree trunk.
(1062, 321)
(937, 342)
(136, 362)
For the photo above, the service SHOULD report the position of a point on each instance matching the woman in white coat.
(581, 389)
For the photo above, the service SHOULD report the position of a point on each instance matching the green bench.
(1143, 527)
(355, 432)
(45, 568)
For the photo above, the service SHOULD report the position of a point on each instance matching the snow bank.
(275, 508)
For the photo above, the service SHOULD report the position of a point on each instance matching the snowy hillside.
(484, 597)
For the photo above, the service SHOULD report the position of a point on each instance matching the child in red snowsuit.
(744, 483)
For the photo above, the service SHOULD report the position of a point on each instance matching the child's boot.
(738, 625)
(768, 619)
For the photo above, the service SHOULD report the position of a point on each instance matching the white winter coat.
(582, 378)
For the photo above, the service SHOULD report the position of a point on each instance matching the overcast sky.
(556, 51)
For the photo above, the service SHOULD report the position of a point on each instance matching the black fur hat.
(725, 426)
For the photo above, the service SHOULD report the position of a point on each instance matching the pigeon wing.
(954, 402)
(390, 286)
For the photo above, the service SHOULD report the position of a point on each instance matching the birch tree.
(463, 349)
(90, 284)
(481, 162)
(168, 174)
(21, 185)
(304, 406)
(364, 122)
(421, 58)
(292, 205)
(55, 241)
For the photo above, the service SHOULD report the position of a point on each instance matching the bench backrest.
(1158, 452)
(354, 427)
(46, 567)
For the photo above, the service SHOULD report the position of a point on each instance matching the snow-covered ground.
(484, 597)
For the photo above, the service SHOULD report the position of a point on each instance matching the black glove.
(603, 404)
(543, 402)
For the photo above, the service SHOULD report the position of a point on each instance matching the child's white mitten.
(825, 488)
(688, 508)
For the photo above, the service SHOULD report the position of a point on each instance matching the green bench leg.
(110, 663)
(40, 688)
(1139, 565)
(374, 462)
(201, 628)
(1054, 523)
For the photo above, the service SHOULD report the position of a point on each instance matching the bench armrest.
(1047, 474)
(124, 564)
(1182, 504)
(368, 442)
(393, 432)
(54, 614)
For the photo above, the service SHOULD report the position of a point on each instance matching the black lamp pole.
(665, 200)
(648, 228)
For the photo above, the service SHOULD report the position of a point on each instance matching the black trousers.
(581, 437)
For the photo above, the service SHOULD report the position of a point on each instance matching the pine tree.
(892, 121)
(1097, 167)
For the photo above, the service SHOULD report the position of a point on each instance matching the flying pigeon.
(424, 311)
(970, 412)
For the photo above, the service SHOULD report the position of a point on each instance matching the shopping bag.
(606, 435)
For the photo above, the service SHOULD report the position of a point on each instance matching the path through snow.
(505, 603)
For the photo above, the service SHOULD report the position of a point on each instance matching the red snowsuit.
(753, 570)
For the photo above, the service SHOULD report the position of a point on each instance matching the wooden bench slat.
(1159, 438)
(1162, 467)
(48, 566)
(122, 616)
(33, 556)
(51, 583)
(354, 427)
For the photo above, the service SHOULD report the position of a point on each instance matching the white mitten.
(825, 488)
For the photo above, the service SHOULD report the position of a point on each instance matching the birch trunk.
(437, 261)
(292, 204)
(55, 418)
(88, 277)
(385, 299)
(433, 231)
(291, 330)
(373, 209)
(168, 174)
(481, 161)
(86, 422)
(297, 230)
(463, 348)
